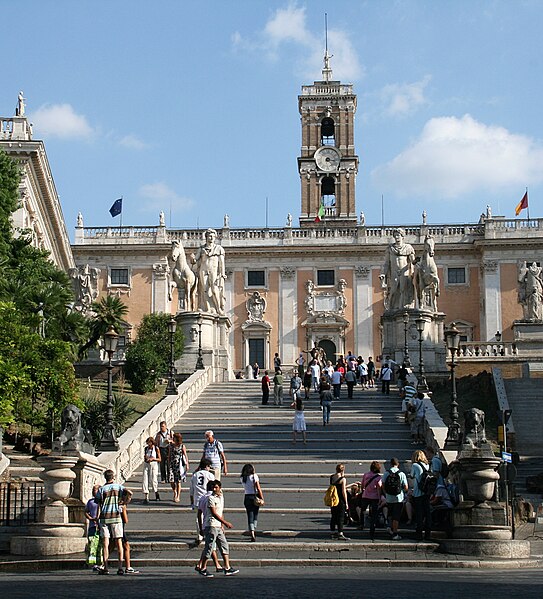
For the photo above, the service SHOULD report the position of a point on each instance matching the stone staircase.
(525, 397)
(294, 524)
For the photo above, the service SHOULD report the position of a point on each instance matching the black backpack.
(393, 483)
(427, 481)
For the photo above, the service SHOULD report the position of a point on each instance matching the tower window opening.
(328, 191)
(328, 132)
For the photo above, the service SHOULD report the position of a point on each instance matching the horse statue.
(183, 278)
(425, 278)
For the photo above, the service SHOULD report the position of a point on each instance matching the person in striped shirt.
(109, 499)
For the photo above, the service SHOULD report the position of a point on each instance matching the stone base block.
(486, 548)
(56, 530)
(47, 545)
(502, 533)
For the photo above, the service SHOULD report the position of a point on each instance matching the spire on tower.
(327, 70)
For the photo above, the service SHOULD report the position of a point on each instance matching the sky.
(191, 107)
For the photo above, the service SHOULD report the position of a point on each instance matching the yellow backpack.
(331, 498)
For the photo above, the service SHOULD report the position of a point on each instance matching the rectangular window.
(256, 278)
(118, 276)
(326, 278)
(256, 352)
(456, 276)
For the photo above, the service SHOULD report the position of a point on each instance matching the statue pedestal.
(433, 348)
(208, 332)
(528, 338)
(479, 523)
(53, 534)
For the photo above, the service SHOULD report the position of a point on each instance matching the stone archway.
(330, 349)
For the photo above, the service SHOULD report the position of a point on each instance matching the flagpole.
(266, 212)
(382, 210)
(528, 202)
(121, 219)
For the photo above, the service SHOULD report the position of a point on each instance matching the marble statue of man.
(531, 291)
(161, 219)
(209, 264)
(398, 272)
(20, 110)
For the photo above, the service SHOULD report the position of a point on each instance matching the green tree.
(9, 200)
(148, 357)
(109, 311)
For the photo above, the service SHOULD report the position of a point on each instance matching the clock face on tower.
(327, 158)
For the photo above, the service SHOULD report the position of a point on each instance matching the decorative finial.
(424, 215)
(327, 70)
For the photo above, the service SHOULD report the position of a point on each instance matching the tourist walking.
(423, 516)
(326, 402)
(253, 499)
(214, 451)
(163, 439)
(308, 377)
(336, 382)
(276, 362)
(151, 460)
(109, 497)
(300, 362)
(350, 379)
(371, 494)
(371, 372)
(337, 515)
(386, 375)
(198, 488)
(266, 388)
(363, 373)
(315, 375)
(214, 524)
(298, 426)
(278, 388)
(395, 486)
(178, 465)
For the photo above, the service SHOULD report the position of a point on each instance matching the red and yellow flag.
(522, 204)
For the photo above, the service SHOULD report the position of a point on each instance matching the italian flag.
(522, 204)
(320, 214)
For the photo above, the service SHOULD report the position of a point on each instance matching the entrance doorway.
(329, 348)
(256, 352)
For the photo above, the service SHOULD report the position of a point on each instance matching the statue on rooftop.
(20, 110)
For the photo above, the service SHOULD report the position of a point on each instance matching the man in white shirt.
(214, 451)
(315, 375)
(198, 488)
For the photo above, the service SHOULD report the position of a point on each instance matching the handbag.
(258, 501)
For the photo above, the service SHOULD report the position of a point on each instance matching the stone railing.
(486, 349)
(276, 236)
(132, 443)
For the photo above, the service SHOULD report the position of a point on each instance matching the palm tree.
(108, 312)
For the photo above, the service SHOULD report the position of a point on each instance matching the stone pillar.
(161, 281)
(363, 311)
(54, 534)
(492, 320)
(288, 315)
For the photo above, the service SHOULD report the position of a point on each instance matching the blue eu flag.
(117, 207)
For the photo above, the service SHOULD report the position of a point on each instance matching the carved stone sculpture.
(161, 219)
(79, 219)
(85, 283)
(530, 291)
(289, 220)
(398, 273)
(20, 110)
(73, 436)
(256, 306)
(474, 427)
(209, 264)
(183, 278)
(226, 221)
(426, 279)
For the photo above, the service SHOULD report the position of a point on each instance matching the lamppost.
(422, 384)
(108, 442)
(452, 339)
(199, 361)
(171, 389)
(406, 360)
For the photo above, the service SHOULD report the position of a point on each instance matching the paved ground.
(280, 582)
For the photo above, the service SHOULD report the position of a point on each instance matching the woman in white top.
(151, 460)
(250, 481)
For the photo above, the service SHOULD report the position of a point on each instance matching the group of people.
(390, 500)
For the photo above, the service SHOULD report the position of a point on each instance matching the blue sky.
(191, 107)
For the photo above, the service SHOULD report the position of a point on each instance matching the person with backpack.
(337, 512)
(386, 375)
(424, 487)
(371, 493)
(214, 452)
(395, 486)
(417, 409)
(371, 372)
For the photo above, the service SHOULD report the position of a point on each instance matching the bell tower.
(327, 163)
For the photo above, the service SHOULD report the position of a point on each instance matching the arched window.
(328, 132)
(328, 191)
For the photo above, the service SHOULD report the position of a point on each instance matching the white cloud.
(132, 142)
(403, 99)
(288, 26)
(60, 120)
(159, 196)
(455, 156)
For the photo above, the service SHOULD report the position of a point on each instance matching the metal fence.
(19, 502)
